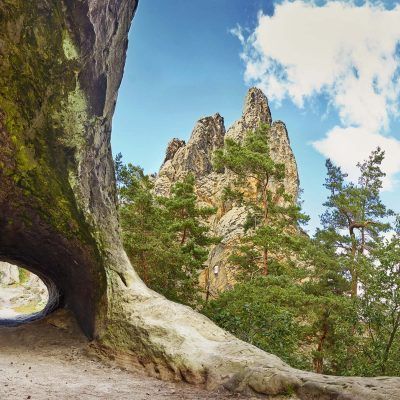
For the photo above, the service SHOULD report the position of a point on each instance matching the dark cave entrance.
(70, 265)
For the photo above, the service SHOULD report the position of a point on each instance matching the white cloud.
(347, 146)
(341, 50)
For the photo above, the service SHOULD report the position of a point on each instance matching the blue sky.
(184, 63)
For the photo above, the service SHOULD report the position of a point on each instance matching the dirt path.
(6, 306)
(40, 361)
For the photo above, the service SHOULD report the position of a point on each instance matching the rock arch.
(61, 63)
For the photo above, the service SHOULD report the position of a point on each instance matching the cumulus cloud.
(346, 52)
(347, 146)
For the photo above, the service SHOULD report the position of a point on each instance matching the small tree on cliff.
(272, 213)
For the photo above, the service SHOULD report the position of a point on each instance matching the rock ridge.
(195, 157)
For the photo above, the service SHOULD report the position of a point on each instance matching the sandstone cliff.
(196, 157)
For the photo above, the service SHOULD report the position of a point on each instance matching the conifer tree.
(164, 238)
(331, 315)
(273, 215)
(145, 239)
(186, 222)
(380, 309)
(355, 214)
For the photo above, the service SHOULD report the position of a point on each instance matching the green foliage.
(355, 216)
(380, 311)
(23, 275)
(272, 214)
(264, 312)
(164, 237)
(330, 303)
(308, 310)
(184, 219)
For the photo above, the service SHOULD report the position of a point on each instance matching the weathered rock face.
(173, 146)
(196, 157)
(60, 67)
(9, 274)
(20, 296)
(61, 63)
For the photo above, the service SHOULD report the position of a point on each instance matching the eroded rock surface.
(9, 274)
(61, 64)
(195, 157)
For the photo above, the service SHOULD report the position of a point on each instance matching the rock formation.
(9, 274)
(196, 157)
(61, 64)
(20, 296)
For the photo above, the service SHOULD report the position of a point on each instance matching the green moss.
(29, 308)
(46, 120)
(46, 116)
(73, 117)
(289, 391)
(23, 275)
(70, 51)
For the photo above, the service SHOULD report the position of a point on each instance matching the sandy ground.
(6, 305)
(40, 361)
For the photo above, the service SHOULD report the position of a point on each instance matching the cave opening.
(25, 296)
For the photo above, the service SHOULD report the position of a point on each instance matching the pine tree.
(273, 215)
(164, 238)
(186, 222)
(353, 225)
(143, 232)
(380, 309)
(355, 214)
(331, 315)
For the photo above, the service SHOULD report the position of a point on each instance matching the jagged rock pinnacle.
(256, 108)
(193, 157)
(255, 112)
(173, 146)
(196, 157)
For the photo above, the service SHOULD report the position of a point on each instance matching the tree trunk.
(319, 360)
(265, 221)
(265, 262)
(183, 240)
(353, 269)
(389, 345)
